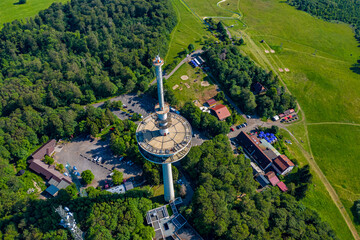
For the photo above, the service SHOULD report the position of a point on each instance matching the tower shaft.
(169, 193)
(160, 87)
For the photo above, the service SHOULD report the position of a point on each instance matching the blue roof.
(52, 190)
(262, 180)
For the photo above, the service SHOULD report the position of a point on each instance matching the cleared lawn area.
(317, 197)
(158, 194)
(196, 91)
(325, 87)
(9, 10)
(208, 8)
(336, 151)
(299, 130)
(189, 29)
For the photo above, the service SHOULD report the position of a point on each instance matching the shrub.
(87, 176)
(48, 160)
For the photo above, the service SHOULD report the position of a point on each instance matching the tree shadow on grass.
(354, 213)
(356, 67)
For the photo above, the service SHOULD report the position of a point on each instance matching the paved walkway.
(185, 60)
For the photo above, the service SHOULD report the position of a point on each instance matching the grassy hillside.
(10, 10)
(327, 90)
(319, 55)
(189, 29)
(317, 196)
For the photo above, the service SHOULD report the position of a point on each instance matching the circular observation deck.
(163, 149)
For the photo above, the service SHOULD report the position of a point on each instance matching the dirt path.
(335, 123)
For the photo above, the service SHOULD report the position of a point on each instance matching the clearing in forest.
(11, 10)
(192, 89)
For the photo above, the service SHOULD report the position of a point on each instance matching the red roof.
(221, 111)
(282, 186)
(282, 163)
(272, 178)
(211, 102)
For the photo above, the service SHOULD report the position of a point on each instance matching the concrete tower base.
(169, 194)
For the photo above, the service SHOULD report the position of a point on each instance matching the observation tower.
(164, 137)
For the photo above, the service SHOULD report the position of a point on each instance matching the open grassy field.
(189, 29)
(326, 89)
(337, 153)
(196, 91)
(317, 197)
(10, 10)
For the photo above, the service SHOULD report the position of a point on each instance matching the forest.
(238, 74)
(71, 55)
(101, 216)
(226, 205)
(347, 11)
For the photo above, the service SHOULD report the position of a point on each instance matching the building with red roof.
(211, 102)
(221, 112)
(282, 165)
(273, 179)
(282, 186)
(259, 88)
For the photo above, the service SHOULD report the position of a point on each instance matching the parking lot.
(81, 152)
(143, 105)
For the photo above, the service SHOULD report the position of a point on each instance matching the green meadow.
(317, 197)
(189, 29)
(10, 10)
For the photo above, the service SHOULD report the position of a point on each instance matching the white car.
(99, 159)
(96, 158)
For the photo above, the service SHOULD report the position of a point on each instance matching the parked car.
(95, 159)
(111, 174)
(248, 116)
(232, 129)
(99, 159)
(121, 158)
(66, 174)
(74, 168)
(238, 126)
(245, 124)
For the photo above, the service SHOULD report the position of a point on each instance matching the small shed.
(52, 190)
(282, 186)
(21, 172)
(212, 102)
(128, 185)
(275, 118)
(262, 180)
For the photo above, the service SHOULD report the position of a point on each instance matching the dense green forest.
(101, 216)
(347, 11)
(74, 54)
(226, 206)
(238, 74)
